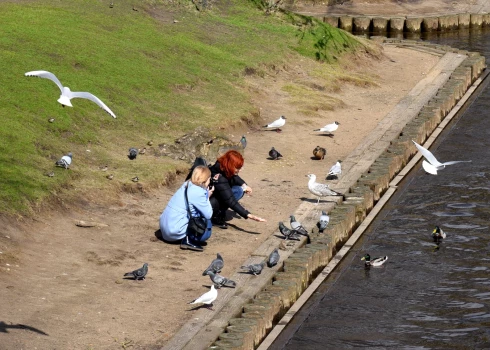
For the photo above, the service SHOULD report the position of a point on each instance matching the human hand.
(247, 190)
(211, 191)
(256, 218)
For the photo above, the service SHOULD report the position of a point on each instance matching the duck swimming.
(375, 261)
(438, 234)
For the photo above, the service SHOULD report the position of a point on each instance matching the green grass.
(162, 79)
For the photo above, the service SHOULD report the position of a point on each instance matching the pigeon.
(287, 233)
(319, 152)
(320, 190)
(65, 161)
(133, 153)
(66, 93)
(438, 234)
(431, 164)
(216, 265)
(323, 222)
(335, 171)
(274, 154)
(254, 269)
(138, 274)
(273, 258)
(135, 179)
(329, 127)
(207, 298)
(220, 281)
(277, 124)
(243, 141)
(374, 261)
(296, 226)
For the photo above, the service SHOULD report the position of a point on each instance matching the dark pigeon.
(216, 265)
(139, 274)
(274, 154)
(133, 152)
(273, 258)
(287, 233)
(255, 269)
(220, 281)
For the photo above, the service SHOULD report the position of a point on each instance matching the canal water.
(426, 296)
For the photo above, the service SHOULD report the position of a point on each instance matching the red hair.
(230, 161)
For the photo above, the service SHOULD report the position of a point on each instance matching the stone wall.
(260, 315)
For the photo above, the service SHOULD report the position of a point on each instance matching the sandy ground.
(66, 290)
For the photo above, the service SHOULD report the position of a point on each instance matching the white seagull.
(320, 190)
(329, 127)
(334, 171)
(277, 124)
(66, 93)
(431, 164)
(207, 298)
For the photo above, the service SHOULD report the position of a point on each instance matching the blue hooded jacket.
(174, 219)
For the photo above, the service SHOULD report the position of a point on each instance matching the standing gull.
(65, 161)
(335, 171)
(216, 265)
(431, 164)
(320, 190)
(277, 124)
(66, 93)
(207, 298)
(274, 154)
(329, 128)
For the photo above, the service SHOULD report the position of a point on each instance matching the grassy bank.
(162, 69)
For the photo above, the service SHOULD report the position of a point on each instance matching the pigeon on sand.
(216, 265)
(243, 142)
(138, 274)
(329, 128)
(277, 124)
(287, 233)
(220, 281)
(274, 154)
(65, 161)
(273, 258)
(431, 164)
(207, 298)
(335, 171)
(255, 269)
(66, 93)
(320, 190)
(323, 222)
(133, 153)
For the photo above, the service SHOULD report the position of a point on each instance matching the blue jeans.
(237, 192)
(206, 234)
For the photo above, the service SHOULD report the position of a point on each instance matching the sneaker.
(188, 244)
(220, 222)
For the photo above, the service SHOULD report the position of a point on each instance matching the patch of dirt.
(65, 288)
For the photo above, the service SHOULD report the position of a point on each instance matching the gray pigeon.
(323, 222)
(138, 274)
(296, 226)
(243, 141)
(274, 154)
(216, 265)
(133, 152)
(65, 161)
(220, 281)
(273, 258)
(287, 233)
(254, 269)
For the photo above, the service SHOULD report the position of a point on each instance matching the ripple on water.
(466, 226)
(462, 205)
(443, 213)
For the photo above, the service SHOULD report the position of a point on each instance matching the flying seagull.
(320, 190)
(335, 171)
(274, 154)
(66, 93)
(323, 221)
(207, 298)
(319, 152)
(216, 265)
(65, 161)
(431, 164)
(277, 124)
(138, 274)
(329, 127)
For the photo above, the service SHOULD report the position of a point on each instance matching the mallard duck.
(438, 234)
(319, 152)
(375, 261)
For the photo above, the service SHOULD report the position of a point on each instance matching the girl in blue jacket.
(175, 217)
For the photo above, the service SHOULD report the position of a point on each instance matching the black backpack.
(198, 161)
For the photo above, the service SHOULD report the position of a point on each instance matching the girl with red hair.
(229, 188)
